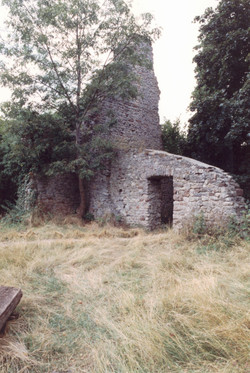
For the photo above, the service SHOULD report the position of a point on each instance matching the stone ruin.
(143, 185)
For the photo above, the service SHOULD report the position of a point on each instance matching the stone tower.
(137, 128)
(137, 120)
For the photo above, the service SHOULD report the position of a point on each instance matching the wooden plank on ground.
(9, 299)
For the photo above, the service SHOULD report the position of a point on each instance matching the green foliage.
(199, 225)
(8, 187)
(66, 43)
(15, 212)
(173, 138)
(35, 142)
(110, 219)
(44, 144)
(219, 129)
(240, 227)
(216, 237)
(89, 217)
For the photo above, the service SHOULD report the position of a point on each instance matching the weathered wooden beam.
(9, 299)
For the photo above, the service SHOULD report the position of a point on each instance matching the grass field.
(108, 299)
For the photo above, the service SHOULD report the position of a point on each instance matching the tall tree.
(219, 129)
(63, 56)
(173, 138)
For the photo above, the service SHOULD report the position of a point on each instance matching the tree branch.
(52, 60)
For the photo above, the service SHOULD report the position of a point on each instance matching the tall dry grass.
(114, 300)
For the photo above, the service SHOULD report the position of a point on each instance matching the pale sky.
(173, 52)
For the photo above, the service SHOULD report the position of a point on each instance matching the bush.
(217, 237)
(26, 197)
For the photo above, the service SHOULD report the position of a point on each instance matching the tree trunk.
(82, 207)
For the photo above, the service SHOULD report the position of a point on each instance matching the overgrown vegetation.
(219, 128)
(105, 299)
(198, 227)
(23, 209)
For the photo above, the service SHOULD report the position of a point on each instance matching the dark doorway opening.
(161, 192)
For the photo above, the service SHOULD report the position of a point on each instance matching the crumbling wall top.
(137, 119)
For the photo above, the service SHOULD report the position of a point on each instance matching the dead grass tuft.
(105, 299)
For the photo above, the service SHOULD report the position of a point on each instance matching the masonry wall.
(58, 195)
(137, 120)
(197, 188)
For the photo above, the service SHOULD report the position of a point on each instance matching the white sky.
(173, 52)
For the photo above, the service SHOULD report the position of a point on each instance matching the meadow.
(111, 299)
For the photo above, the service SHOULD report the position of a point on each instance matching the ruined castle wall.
(133, 193)
(58, 195)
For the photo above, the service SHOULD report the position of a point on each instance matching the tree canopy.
(219, 128)
(55, 48)
(61, 58)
